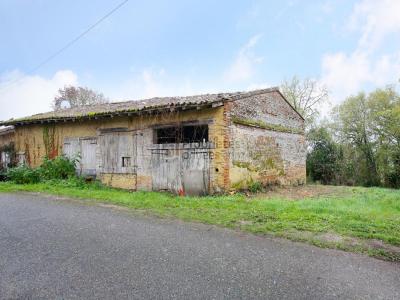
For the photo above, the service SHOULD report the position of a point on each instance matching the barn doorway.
(83, 149)
(118, 158)
(180, 159)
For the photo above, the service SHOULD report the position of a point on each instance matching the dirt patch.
(378, 244)
(372, 247)
(113, 206)
(303, 192)
(330, 238)
(245, 223)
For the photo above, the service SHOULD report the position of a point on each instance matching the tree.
(385, 124)
(77, 96)
(305, 96)
(352, 122)
(323, 161)
(368, 127)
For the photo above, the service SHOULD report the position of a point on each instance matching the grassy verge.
(357, 219)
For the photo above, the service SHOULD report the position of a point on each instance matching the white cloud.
(369, 65)
(243, 67)
(347, 74)
(375, 20)
(153, 82)
(23, 95)
(327, 7)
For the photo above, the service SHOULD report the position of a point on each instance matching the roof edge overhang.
(287, 101)
(7, 130)
(128, 113)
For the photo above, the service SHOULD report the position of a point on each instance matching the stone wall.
(267, 142)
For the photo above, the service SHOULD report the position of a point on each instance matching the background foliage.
(361, 145)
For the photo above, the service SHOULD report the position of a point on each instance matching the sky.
(171, 48)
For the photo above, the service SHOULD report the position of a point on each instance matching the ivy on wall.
(50, 141)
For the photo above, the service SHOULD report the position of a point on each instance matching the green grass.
(361, 213)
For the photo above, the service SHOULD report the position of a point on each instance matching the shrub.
(60, 167)
(3, 175)
(255, 186)
(23, 175)
(323, 161)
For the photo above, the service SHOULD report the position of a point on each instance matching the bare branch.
(305, 96)
(77, 96)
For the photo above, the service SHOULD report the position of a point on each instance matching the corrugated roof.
(136, 106)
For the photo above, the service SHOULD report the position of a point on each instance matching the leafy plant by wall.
(59, 168)
(52, 169)
(23, 175)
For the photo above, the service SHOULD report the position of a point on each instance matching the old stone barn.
(188, 145)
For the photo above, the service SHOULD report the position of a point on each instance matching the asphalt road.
(64, 249)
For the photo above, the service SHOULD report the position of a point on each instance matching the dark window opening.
(182, 134)
(126, 162)
(168, 135)
(195, 134)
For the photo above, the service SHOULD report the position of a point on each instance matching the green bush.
(323, 161)
(3, 175)
(60, 167)
(255, 186)
(23, 175)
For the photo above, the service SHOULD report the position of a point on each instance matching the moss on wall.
(263, 125)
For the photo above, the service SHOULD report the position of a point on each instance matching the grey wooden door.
(117, 158)
(118, 153)
(83, 149)
(196, 171)
(166, 168)
(71, 148)
(88, 156)
(181, 168)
